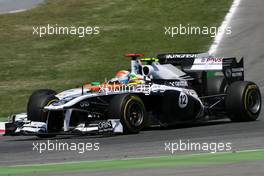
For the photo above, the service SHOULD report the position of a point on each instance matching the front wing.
(19, 125)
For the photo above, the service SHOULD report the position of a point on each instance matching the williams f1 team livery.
(169, 89)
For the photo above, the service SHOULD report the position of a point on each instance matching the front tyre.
(130, 110)
(37, 101)
(243, 101)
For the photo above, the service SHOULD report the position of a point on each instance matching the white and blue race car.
(169, 89)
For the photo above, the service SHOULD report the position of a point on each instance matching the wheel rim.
(254, 102)
(135, 114)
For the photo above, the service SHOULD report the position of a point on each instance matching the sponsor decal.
(105, 126)
(191, 92)
(212, 60)
(252, 87)
(84, 104)
(177, 83)
(179, 56)
(211, 63)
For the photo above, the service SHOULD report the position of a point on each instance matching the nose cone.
(71, 92)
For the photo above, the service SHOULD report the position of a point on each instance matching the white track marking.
(17, 11)
(224, 25)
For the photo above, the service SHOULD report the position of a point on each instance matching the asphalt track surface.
(12, 6)
(247, 40)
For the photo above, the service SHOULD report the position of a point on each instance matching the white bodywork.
(75, 95)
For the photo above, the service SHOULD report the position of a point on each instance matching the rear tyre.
(130, 110)
(216, 85)
(37, 101)
(243, 101)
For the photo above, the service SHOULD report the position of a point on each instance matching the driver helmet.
(122, 76)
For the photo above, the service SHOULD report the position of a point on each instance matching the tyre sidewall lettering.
(131, 99)
(125, 112)
(248, 90)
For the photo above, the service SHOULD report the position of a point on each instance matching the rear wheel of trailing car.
(37, 101)
(243, 101)
(130, 110)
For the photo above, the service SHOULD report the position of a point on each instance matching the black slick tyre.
(243, 101)
(130, 110)
(37, 101)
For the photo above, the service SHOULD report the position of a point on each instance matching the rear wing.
(203, 62)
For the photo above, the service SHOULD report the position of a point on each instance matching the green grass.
(3, 119)
(144, 163)
(28, 62)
